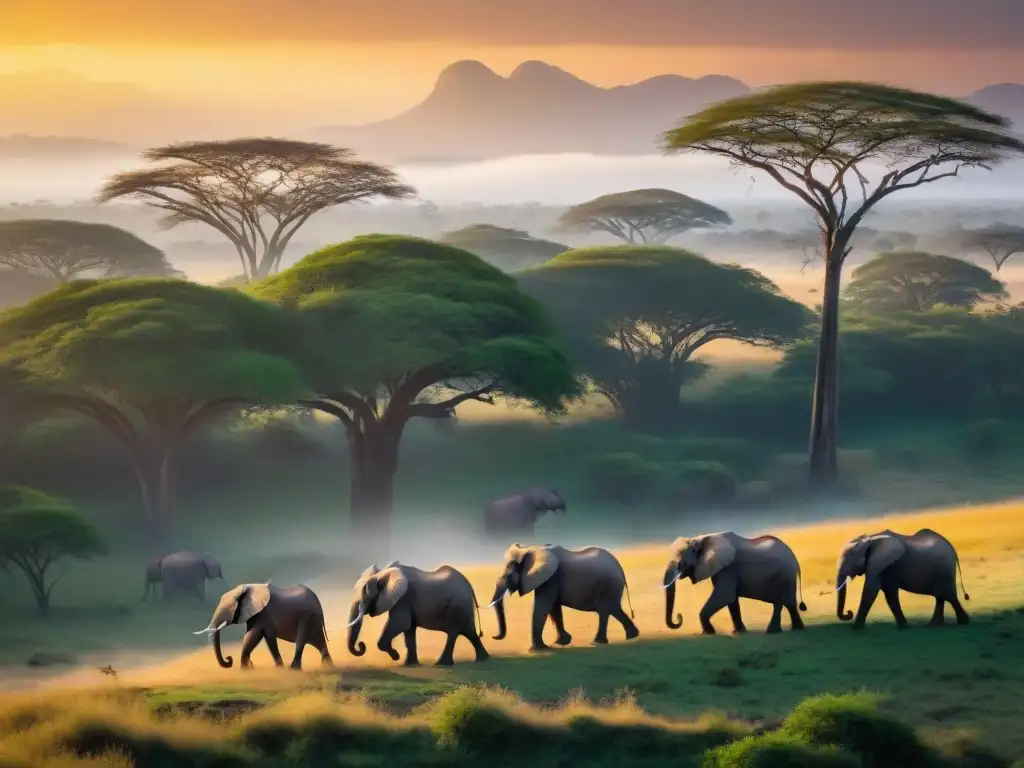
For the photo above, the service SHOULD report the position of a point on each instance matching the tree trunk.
(154, 471)
(823, 463)
(373, 462)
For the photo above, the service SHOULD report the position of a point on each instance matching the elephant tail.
(960, 571)
(800, 583)
(629, 600)
(479, 621)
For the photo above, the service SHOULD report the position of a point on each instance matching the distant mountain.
(475, 113)
(1005, 99)
(22, 147)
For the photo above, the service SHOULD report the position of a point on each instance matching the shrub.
(704, 482)
(777, 750)
(625, 477)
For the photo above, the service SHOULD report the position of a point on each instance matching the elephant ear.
(679, 547)
(392, 585)
(213, 569)
(253, 599)
(539, 565)
(716, 553)
(365, 577)
(883, 551)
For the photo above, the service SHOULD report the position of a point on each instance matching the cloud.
(822, 24)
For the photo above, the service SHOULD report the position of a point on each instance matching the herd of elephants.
(591, 579)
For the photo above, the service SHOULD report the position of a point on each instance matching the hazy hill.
(475, 113)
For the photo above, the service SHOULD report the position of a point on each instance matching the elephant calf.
(518, 514)
(442, 600)
(762, 569)
(588, 579)
(293, 614)
(182, 573)
(923, 563)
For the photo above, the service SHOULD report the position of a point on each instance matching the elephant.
(589, 579)
(923, 563)
(182, 573)
(442, 600)
(517, 514)
(270, 613)
(763, 568)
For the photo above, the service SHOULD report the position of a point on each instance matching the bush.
(625, 477)
(984, 438)
(777, 750)
(704, 482)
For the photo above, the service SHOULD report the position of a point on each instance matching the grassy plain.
(943, 681)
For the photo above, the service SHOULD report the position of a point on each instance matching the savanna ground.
(947, 682)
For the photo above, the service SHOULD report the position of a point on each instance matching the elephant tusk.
(210, 630)
(669, 583)
(503, 596)
(357, 619)
(845, 582)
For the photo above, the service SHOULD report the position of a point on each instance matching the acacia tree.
(256, 192)
(63, 250)
(841, 148)
(645, 216)
(636, 315)
(37, 531)
(151, 360)
(999, 241)
(507, 249)
(917, 282)
(405, 328)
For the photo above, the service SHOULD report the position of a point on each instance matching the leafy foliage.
(36, 532)
(63, 250)
(636, 315)
(917, 282)
(647, 216)
(256, 192)
(507, 249)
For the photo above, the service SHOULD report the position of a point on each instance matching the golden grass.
(989, 539)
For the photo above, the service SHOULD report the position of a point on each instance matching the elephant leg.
(601, 637)
(270, 635)
(939, 614)
(737, 617)
(961, 615)
(412, 658)
(543, 603)
(627, 623)
(564, 638)
(387, 637)
(867, 599)
(319, 641)
(252, 638)
(446, 659)
(301, 633)
(892, 599)
(478, 646)
(719, 599)
(794, 616)
(775, 623)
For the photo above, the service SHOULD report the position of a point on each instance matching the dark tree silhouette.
(645, 216)
(999, 241)
(63, 250)
(841, 148)
(257, 192)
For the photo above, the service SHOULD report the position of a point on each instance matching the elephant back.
(932, 543)
(452, 579)
(592, 564)
(773, 546)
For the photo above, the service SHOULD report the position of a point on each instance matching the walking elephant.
(763, 568)
(924, 563)
(517, 514)
(292, 614)
(588, 579)
(181, 573)
(442, 600)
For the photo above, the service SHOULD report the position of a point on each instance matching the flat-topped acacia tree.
(403, 328)
(150, 360)
(257, 192)
(841, 148)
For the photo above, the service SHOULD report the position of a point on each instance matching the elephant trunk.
(498, 601)
(669, 583)
(225, 663)
(841, 613)
(355, 646)
(149, 586)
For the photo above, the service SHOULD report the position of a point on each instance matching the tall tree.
(999, 241)
(841, 148)
(150, 360)
(636, 316)
(647, 216)
(256, 192)
(404, 328)
(917, 282)
(63, 250)
(508, 249)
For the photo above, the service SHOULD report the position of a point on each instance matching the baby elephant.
(271, 613)
(441, 600)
